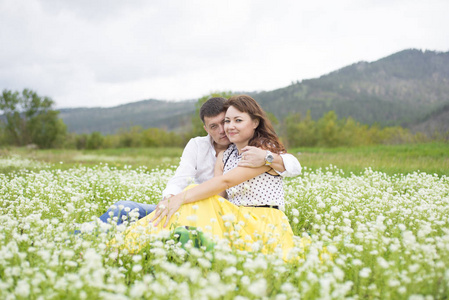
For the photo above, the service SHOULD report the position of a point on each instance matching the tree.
(94, 141)
(81, 141)
(197, 124)
(130, 138)
(29, 118)
(3, 137)
(300, 131)
(328, 130)
(291, 129)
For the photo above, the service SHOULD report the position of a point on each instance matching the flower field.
(388, 237)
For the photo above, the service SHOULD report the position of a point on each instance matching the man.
(198, 161)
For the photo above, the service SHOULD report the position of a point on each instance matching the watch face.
(270, 158)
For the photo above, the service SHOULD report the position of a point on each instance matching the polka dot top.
(265, 189)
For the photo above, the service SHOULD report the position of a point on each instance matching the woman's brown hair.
(264, 136)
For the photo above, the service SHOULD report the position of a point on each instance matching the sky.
(88, 53)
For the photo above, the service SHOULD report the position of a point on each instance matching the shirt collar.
(211, 143)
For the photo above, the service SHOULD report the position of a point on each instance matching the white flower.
(138, 289)
(413, 268)
(416, 297)
(137, 268)
(22, 288)
(228, 272)
(365, 272)
(258, 288)
(332, 249)
(70, 208)
(204, 263)
(229, 217)
(137, 258)
(394, 282)
(383, 263)
(357, 262)
(192, 218)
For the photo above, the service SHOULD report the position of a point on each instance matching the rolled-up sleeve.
(291, 164)
(186, 171)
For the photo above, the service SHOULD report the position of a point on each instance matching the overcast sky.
(111, 52)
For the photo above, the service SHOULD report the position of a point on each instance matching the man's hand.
(166, 208)
(252, 157)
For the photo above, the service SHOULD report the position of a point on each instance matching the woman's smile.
(239, 126)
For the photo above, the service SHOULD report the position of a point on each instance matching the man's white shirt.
(198, 162)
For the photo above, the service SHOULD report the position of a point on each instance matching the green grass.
(394, 159)
(119, 158)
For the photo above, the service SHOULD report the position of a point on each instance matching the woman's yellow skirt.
(250, 229)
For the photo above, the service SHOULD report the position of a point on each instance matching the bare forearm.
(219, 184)
(213, 187)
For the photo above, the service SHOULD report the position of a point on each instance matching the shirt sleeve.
(291, 164)
(186, 172)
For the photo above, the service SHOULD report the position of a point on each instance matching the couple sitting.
(249, 216)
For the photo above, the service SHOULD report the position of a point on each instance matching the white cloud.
(103, 53)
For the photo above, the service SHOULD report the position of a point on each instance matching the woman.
(250, 217)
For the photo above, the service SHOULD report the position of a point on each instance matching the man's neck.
(219, 148)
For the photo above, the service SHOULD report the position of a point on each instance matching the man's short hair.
(212, 107)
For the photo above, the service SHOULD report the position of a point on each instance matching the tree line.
(330, 131)
(29, 119)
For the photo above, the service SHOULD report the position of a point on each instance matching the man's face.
(214, 127)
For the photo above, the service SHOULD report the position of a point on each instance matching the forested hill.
(402, 89)
(409, 88)
(147, 113)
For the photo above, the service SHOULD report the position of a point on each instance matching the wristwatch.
(269, 158)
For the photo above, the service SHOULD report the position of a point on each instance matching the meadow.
(381, 214)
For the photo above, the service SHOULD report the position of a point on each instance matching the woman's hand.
(252, 157)
(166, 208)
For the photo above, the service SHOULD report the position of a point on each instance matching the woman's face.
(239, 126)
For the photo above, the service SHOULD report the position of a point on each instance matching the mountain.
(409, 88)
(147, 113)
(400, 89)
(437, 121)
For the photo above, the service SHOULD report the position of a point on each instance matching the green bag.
(186, 233)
